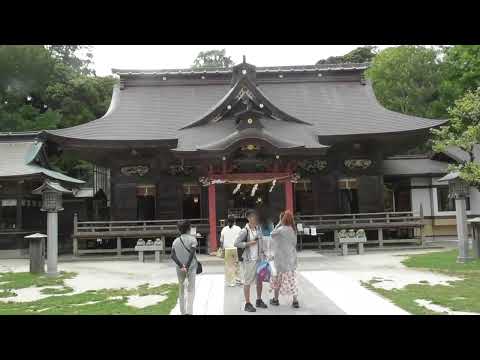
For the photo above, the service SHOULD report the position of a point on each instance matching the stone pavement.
(328, 284)
(312, 301)
(320, 293)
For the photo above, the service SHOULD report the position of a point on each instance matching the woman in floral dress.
(284, 245)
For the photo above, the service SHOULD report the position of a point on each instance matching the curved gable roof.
(335, 105)
(19, 159)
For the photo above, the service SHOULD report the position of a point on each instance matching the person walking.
(183, 254)
(227, 239)
(284, 245)
(249, 242)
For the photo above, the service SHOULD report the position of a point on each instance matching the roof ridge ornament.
(244, 70)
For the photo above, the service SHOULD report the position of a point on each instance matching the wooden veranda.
(120, 231)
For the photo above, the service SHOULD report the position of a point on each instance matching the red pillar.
(212, 217)
(289, 195)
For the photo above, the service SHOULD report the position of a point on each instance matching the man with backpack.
(250, 253)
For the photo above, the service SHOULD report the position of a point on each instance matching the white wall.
(421, 196)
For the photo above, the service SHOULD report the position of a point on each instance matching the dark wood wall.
(370, 194)
(169, 189)
(325, 194)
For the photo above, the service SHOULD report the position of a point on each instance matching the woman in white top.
(228, 236)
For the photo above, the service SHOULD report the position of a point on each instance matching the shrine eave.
(76, 143)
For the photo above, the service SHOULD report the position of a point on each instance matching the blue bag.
(263, 271)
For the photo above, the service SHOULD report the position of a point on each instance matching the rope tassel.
(273, 185)
(254, 189)
(236, 188)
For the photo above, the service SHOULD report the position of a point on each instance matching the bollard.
(475, 237)
(37, 253)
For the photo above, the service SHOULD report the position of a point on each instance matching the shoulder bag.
(199, 264)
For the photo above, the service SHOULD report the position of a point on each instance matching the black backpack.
(241, 250)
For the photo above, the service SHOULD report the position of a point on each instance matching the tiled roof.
(260, 69)
(17, 159)
(159, 112)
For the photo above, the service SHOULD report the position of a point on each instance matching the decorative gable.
(243, 102)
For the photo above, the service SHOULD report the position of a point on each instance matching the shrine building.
(203, 144)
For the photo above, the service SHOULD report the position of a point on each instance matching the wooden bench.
(352, 237)
(158, 247)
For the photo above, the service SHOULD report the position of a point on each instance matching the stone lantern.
(51, 203)
(459, 190)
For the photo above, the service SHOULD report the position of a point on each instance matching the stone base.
(463, 260)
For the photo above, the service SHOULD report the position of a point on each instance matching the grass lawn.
(95, 302)
(463, 295)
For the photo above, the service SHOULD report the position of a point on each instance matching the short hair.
(250, 212)
(231, 217)
(183, 226)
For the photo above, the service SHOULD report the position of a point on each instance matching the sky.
(107, 57)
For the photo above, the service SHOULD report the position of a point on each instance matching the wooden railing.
(94, 229)
(152, 229)
(368, 221)
(363, 220)
(146, 229)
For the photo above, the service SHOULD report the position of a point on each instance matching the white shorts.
(249, 271)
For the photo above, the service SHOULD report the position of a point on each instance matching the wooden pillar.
(19, 197)
(289, 195)
(212, 217)
(422, 232)
(224, 166)
(75, 239)
(19, 221)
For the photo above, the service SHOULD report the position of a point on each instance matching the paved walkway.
(320, 293)
(328, 284)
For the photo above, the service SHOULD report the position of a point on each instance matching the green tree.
(461, 71)
(80, 98)
(25, 73)
(48, 87)
(359, 55)
(463, 131)
(212, 59)
(408, 79)
(45, 87)
(69, 55)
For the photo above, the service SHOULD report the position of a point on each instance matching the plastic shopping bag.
(273, 270)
